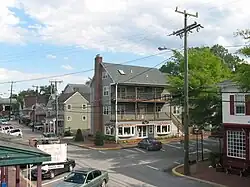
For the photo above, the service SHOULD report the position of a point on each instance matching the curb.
(174, 172)
(102, 148)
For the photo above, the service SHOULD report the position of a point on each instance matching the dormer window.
(121, 72)
(104, 75)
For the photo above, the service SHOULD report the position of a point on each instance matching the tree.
(206, 70)
(230, 60)
(242, 75)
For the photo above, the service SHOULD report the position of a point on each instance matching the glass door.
(142, 131)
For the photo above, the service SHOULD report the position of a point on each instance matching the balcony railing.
(132, 116)
(140, 96)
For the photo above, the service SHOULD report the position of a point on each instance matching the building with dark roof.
(73, 112)
(131, 102)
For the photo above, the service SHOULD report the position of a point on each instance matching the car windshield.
(76, 177)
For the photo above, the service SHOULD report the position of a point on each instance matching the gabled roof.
(29, 101)
(77, 87)
(135, 74)
(13, 151)
(64, 96)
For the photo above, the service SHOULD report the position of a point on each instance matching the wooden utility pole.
(34, 108)
(55, 82)
(184, 32)
(11, 93)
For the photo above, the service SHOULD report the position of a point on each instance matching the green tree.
(206, 70)
(242, 75)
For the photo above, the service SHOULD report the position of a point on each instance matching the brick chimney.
(98, 119)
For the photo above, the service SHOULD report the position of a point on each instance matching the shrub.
(99, 139)
(68, 133)
(79, 136)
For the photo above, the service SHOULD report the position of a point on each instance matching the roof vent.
(121, 72)
(146, 75)
(131, 71)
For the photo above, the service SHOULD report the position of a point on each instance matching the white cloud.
(7, 75)
(51, 56)
(125, 26)
(67, 67)
(65, 58)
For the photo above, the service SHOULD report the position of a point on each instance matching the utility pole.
(184, 32)
(56, 99)
(34, 109)
(11, 93)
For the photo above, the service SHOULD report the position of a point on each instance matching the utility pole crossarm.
(185, 13)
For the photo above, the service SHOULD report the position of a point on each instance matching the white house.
(236, 123)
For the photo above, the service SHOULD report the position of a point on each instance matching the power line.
(83, 71)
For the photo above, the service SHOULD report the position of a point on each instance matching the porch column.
(2, 175)
(17, 176)
(39, 175)
(6, 175)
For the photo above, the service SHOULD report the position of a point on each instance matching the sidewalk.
(113, 146)
(209, 175)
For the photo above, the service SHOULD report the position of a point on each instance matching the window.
(83, 118)
(163, 129)
(84, 106)
(105, 110)
(121, 72)
(69, 118)
(109, 130)
(105, 90)
(69, 107)
(239, 104)
(236, 144)
(126, 131)
(97, 173)
(104, 75)
(150, 129)
(177, 110)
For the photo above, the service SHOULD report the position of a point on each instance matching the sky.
(59, 39)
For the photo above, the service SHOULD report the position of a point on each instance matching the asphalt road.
(134, 167)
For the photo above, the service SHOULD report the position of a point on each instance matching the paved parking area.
(133, 167)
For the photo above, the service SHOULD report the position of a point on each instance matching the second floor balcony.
(150, 116)
(139, 97)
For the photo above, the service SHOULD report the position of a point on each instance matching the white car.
(6, 129)
(16, 132)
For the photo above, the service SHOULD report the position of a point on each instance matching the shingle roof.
(79, 87)
(29, 101)
(64, 96)
(135, 74)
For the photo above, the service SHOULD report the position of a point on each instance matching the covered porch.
(13, 154)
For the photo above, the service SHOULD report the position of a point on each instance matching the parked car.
(86, 177)
(49, 171)
(15, 132)
(150, 144)
(6, 129)
(49, 135)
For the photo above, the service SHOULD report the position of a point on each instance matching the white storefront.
(135, 130)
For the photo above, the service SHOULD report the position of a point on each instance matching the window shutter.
(231, 104)
(247, 104)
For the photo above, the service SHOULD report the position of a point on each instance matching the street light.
(163, 48)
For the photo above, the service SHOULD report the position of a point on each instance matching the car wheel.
(70, 168)
(52, 174)
(103, 184)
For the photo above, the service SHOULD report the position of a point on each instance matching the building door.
(151, 131)
(142, 131)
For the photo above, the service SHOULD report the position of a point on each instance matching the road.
(134, 167)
